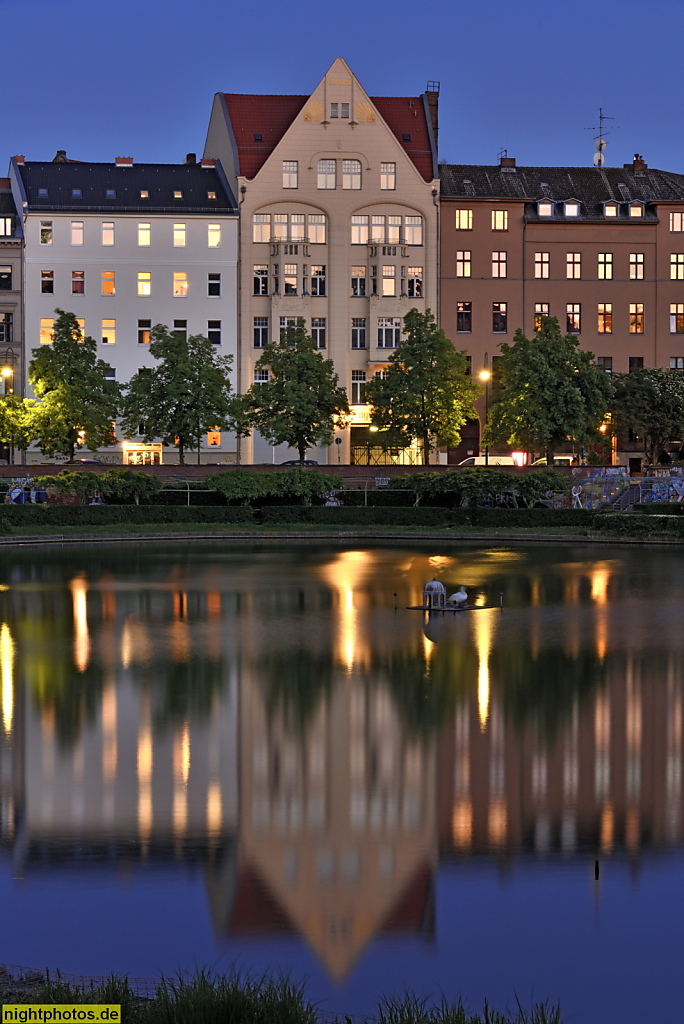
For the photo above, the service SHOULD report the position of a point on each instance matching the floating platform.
(465, 608)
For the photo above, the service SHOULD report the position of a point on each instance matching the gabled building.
(125, 246)
(11, 330)
(338, 195)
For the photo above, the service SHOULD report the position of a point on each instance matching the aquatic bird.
(459, 598)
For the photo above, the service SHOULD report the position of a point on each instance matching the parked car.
(558, 460)
(296, 462)
(492, 460)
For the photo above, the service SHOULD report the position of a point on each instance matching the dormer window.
(144, 193)
(571, 208)
(42, 193)
(257, 137)
(211, 195)
(636, 210)
(611, 209)
(177, 194)
(75, 193)
(110, 193)
(545, 208)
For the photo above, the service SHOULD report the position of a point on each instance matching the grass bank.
(239, 998)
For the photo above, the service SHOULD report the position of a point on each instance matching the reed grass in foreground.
(236, 998)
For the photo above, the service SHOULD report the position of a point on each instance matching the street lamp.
(485, 376)
(7, 372)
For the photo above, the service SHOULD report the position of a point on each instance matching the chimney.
(207, 162)
(20, 160)
(639, 165)
(60, 157)
(432, 97)
(191, 159)
(507, 161)
(124, 161)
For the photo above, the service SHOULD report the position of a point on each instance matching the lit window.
(351, 174)
(377, 228)
(214, 331)
(499, 317)
(677, 222)
(499, 264)
(213, 438)
(358, 332)
(541, 309)
(542, 262)
(327, 174)
(463, 263)
(499, 220)
(144, 193)
(415, 282)
(47, 325)
(177, 194)
(464, 220)
(144, 331)
(211, 195)
(46, 232)
(108, 282)
(358, 281)
(108, 232)
(47, 282)
(677, 266)
(144, 234)
(317, 228)
(260, 280)
(6, 226)
(109, 332)
(144, 282)
(179, 235)
(5, 279)
(389, 284)
(77, 232)
(213, 236)
(636, 210)
(261, 227)
(42, 193)
(389, 331)
(388, 176)
(359, 229)
(297, 229)
(636, 318)
(605, 318)
(110, 193)
(573, 318)
(573, 265)
(260, 331)
(611, 209)
(394, 230)
(413, 230)
(180, 284)
(636, 266)
(280, 227)
(318, 331)
(318, 280)
(78, 282)
(358, 387)
(605, 266)
(677, 318)
(290, 279)
(464, 317)
(545, 209)
(290, 173)
(571, 209)
(214, 285)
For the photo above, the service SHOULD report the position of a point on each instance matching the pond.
(256, 755)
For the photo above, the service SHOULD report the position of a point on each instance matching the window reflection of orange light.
(7, 680)
(214, 808)
(498, 822)
(145, 766)
(462, 824)
(632, 828)
(109, 748)
(214, 604)
(79, 597)
(607, 828)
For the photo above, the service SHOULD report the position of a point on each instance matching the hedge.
(346, 515)
(110, 515)
(635, 524)
(659, 508)
(180, 497)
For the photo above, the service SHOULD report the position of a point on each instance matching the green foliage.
(186, 393)
(478, 484)
(302, 400)
(651, 403)
(76, 482)
(634, 524)
(58, 516)
(249, 486)
(128, 485)
(69, 382)
(426, 393)
(17, 421)
(659, 508)
(331, 516)
(549, 391)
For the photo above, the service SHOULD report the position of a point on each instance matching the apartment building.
(338, 197)
(600, 248)
(125, 246)
(11, 269)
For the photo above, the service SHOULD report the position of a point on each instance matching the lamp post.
(7, 374)
(484, 376)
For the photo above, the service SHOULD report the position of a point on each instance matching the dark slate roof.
(7, 207)
(591, 186)
(160, 180)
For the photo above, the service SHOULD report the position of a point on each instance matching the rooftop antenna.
(502, 153)
(600, 142)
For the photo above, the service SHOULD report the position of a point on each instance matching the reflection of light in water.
(483, 627)
(180, 641)
(181, 771)
(135, 643)
(428, 647)
(79, 592)
(214, 808)
(600, 579)
(462, 823)
(497, 824)
(632, 829)
(145, 765)
(109, 733)
(7, 681)
(343, 574)
(440, 562)
(607, 828)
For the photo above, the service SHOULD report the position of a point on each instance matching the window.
(144, 331)
(358, 387)
(389, 331)
(542, 262)
(317, 228)
(573, 318)
(499, 261)
(276, 278)
(261, 227)
(110, 193)
(108, 232)
(5, 279)
(47, 282)
(499, 220)
(545, 209)
(677, 222)
(46, 232)
(260, 376)
(180, 284)
(290, 173)
(389, 282)
(214, 285)
(46, 327)
(677, 318)
(180, 327)
(605, 318)
(144, 282)
(108, 282)
(290, 279)
(394, 230)
(334, 109)
(285, 323)
(78, 282)
(636, 266)
(636, 318)
(327, 174)
(464, 220)
(358, 281)
(6, 226)
(499, 317)
(605, 266)
(636, 363)
(6, 320)
(280, 232)
(211, 195)
(317, 280)
(213, 438)
(144, 234)
(541, 309)
(359, 229)
(605, 363)
(297, 228)
(358, 332)
(318, 331)
(213, 236)
(179, 235)
(677, 266)
(260, 331)
(109, 373)
(109, 332)
(388, 176)
(571, 209)
(373, 280)
(611, 209)
(413, 230)
(177, 194)
(214, 331)
(351, 174)
(677, 362)
(415, 282)
(463, 263)
(573, 266)
(144, 193)
(464, 317)
(77, 232)
(377, 228)
(260, 279)
(636, 210)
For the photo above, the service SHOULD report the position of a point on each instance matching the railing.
(369, 455)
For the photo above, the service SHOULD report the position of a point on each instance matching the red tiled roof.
(271, 116)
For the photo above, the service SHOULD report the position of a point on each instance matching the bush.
(127, 485)
(322, 515)
(167, 496)
(479, 485)
(634, 524)
(111, 515)
(659, 508)
(380, 498)
(247, 486)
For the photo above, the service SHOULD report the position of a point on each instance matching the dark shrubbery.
(246, 487)
(660, 508)
(56, 516)
(346, 515)
(638, 524)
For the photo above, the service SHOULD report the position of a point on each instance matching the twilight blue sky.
(137, 78)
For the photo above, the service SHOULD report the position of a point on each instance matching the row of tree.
(546, 392)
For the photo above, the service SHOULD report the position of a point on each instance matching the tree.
(77, 404)
(184, 396)
(426, 393)
(649, 402)
(17, 421)
(128, 485)
(549, 391)
(301, 401)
